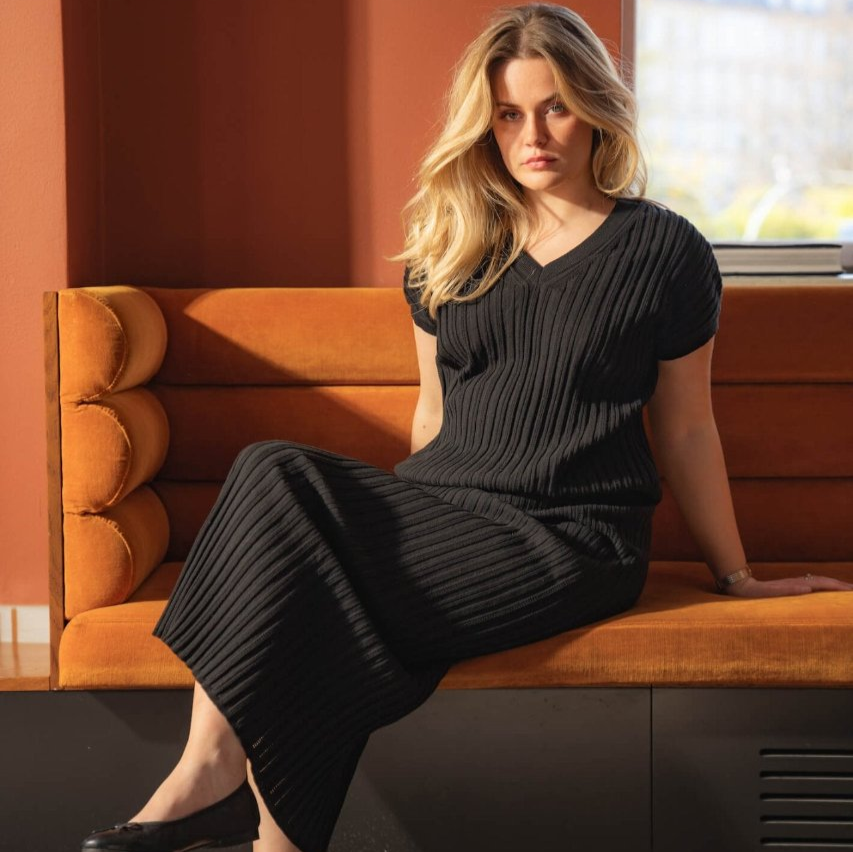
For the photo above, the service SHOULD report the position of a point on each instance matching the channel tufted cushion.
(109, 554)
(113, 338)
(111, 447)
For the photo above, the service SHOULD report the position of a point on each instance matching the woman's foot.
(204, 801)
(189, 788)
(230, 821)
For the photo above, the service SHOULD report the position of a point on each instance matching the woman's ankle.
(191, 786)
(225, 760)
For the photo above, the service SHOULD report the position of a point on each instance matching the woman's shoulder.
(662, 223)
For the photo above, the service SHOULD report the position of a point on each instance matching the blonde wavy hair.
(468, 207)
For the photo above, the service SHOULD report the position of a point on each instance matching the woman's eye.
(512, 112)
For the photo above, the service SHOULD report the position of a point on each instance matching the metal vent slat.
(806, 799)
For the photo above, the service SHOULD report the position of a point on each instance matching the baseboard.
(24, 623)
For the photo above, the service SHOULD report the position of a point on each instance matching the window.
(745, 115)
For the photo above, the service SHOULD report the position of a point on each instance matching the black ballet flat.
(228, 822)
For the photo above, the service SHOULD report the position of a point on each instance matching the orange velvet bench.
(153, 391)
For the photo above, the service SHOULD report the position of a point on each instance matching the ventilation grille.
(806, 799)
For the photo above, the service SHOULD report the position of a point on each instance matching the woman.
(324, 597)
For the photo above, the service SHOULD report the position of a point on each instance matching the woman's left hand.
(752, 588)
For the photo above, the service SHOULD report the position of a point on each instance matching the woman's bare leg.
(212, 765)
(270, 836)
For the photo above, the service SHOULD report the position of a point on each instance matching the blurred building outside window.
(746, 115)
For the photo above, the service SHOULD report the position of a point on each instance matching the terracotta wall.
(32, 259)
(214, 143)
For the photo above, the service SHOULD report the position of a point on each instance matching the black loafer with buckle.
(228, 822)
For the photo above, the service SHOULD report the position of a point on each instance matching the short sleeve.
(691, 303)
(420, 314)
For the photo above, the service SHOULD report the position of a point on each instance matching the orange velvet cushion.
(115, 435)
(111, 339)
(241, 336)
(112, 647)
(111, 447)
(681, 633)
(109, 554)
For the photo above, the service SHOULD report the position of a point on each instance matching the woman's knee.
(260, 454)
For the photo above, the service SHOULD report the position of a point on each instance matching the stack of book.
(783, 258)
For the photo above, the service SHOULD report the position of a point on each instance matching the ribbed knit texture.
(324, 597)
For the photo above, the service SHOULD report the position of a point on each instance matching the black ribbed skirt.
(324, 598)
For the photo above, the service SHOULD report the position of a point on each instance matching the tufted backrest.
(782, 376)
(331, 367)
(160, 388)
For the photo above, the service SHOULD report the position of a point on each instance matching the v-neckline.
(608, 227)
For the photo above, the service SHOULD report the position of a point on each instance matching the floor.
(24, 666)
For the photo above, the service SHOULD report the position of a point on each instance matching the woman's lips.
(538, 163)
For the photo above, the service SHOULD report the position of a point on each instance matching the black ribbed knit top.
(545, 376)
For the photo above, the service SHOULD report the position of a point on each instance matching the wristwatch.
(731, 579)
